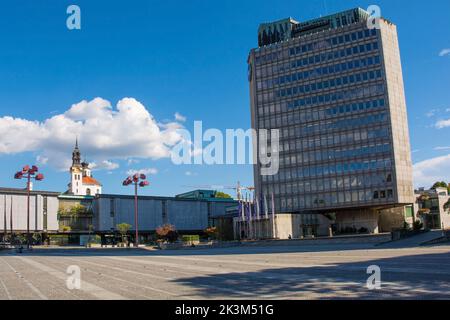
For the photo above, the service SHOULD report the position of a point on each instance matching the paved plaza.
(303, 272)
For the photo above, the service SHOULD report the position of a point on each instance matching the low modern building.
(187, 214)
(13, 211)
(432, 208)
(74, 216)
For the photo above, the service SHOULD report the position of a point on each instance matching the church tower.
(82, 183)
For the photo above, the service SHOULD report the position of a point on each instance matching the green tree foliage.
(76, 210)
(123, 229)
(441, 184)
(223, 195)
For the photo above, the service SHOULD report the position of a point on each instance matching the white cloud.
(190, 173)
(431, 113)
(104, 132)
(441, 148)
(104, 165)
(42, 160)
(442, 124)
(180, 117)
(427, 172)
(146, 171)
(132, 161)
(444, 52)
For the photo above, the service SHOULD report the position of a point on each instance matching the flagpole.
(250, 225)
(258, 213)
(11, 218)
(5, 226)
(266, 214)
(273, 217)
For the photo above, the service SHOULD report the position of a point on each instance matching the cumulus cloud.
(442, 124)
(104, 165)
(180, 117)
(146, 171)
(444, 52)
(105, 133)
(427, 172)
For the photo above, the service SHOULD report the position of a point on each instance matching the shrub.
(406, 226)
(212, 232)
(191, 238)
(167, 233)
(96, 239)
(417, 225)
(363, 230)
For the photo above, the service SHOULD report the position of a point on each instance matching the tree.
(223, 195)
(123, 229)
(212, 232)
(167, 233)
(441, 184)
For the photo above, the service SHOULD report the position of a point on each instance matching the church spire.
(76, 155)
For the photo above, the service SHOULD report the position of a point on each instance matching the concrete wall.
(392, 218)
(218, 208)
(187, 215)
(19, 212)
(149, 213)
(445, 219)
(403, 175)
(358, 219)
(293, 225)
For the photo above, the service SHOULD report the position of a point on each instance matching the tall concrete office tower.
(334, 88)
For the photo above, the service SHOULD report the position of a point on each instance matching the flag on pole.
(240, 213)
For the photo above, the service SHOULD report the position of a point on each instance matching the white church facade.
(82, 183)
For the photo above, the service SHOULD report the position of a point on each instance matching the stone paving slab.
(306, 272)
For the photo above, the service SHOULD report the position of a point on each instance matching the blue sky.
(186, 57)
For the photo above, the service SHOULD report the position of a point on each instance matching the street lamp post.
(136, 180)
(28, 174)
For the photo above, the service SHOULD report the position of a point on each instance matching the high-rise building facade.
(334, 89)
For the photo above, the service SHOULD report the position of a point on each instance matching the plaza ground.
(283, 272)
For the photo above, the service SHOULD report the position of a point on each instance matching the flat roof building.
(13, 211)
(334, 89)
(186, 214)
